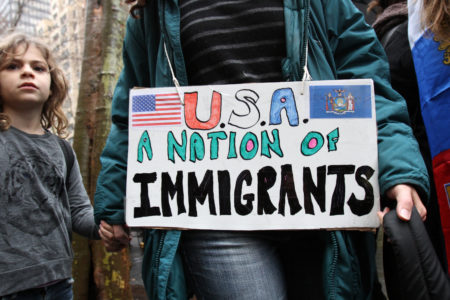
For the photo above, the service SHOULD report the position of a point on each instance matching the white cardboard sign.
(260, 156)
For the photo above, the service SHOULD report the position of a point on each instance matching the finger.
(419, 205)
(403, 195)
(106, 226)
(105, 233)
(107, 239)
(381, 214)
(121, 235)
(102, 236)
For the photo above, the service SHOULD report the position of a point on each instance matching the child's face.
(25, 81)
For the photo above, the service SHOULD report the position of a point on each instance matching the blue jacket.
(340, 46)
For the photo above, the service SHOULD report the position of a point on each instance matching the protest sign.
(260, 156)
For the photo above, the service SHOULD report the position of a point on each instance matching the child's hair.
(52, 113)
(436, 17)
(136, 6)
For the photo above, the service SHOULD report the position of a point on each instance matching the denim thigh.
(254, 265)
(233, 265)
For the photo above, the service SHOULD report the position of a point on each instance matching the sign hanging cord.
(306, 75)
(174, 79)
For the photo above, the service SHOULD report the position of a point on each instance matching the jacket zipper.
(158, 258)
(332, 274)
(305, 39)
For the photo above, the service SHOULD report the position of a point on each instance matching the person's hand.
(114, 237)
(406, 197)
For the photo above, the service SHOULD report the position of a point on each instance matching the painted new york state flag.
(432, 63)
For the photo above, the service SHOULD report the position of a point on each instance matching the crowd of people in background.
(404, 46)
(413, 34)
(391, 27)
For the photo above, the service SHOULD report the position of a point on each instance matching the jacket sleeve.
(111, 182)
(359, 54)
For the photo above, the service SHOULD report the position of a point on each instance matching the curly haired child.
(40, 203)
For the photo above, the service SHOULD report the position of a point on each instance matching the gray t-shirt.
(37, 211)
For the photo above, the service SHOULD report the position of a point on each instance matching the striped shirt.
(233, 41)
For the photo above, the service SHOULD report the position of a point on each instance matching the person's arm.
(358, 54)
(111, 182)
(80, 206)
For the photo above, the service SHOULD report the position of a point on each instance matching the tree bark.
(98, 274)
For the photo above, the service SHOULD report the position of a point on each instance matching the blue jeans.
(62, 290)
(253, 265)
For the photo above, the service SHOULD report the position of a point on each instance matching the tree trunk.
(98, 274)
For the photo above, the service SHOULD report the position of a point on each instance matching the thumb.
(402, 193)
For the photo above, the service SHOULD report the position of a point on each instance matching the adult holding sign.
(210, 42)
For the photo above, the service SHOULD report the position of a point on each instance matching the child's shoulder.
(23, 142)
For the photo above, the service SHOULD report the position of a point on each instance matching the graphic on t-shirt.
(35, 183)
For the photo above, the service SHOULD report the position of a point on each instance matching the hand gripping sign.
(259, 156)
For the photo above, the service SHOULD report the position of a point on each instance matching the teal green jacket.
(340, 46)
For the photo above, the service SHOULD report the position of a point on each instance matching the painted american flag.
(156, 110)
